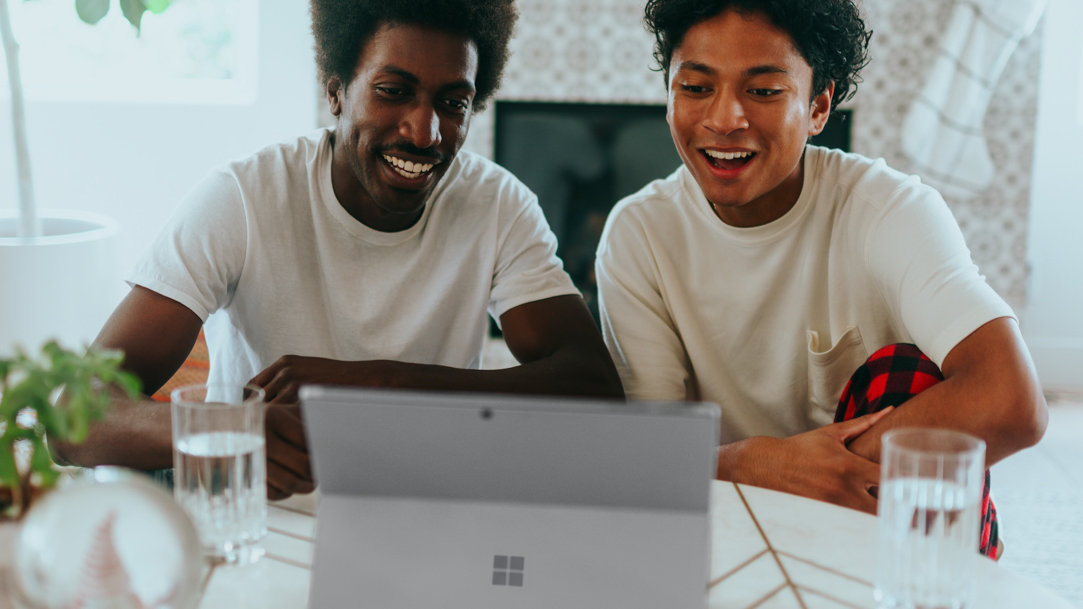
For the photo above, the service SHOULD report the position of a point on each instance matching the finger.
(281, 390)
(865, 502)
(265, 376)
(276, 489)
(848, 430)
(282, 482)
(292, 462)
(284, 422)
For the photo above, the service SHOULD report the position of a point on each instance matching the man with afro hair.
(370, 253)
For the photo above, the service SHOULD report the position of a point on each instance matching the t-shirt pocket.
(828, 371)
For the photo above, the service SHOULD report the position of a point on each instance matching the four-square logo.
(508, 570)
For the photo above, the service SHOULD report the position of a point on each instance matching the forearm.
(558, 374)
(814, 464)
(1007, 420)
(136, 434)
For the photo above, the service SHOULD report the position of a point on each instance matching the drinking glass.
(220, 467)
(930, 492)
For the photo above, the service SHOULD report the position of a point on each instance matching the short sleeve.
(527, 267)
(919, 260)
(198, 256)
(636, 324)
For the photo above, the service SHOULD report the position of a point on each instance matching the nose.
(421, 125)
(726, 114)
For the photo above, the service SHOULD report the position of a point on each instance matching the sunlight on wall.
(197, 51)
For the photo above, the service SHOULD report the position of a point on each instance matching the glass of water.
(220, 468)
(929, 501)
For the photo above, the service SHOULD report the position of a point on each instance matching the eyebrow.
(703, 68)
(413, 79)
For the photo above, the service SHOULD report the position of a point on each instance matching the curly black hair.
(342, 27)
(829, 34)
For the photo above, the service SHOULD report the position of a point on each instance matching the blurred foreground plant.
(56, 394)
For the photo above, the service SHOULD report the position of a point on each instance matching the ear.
(334, 95)
(820, 110)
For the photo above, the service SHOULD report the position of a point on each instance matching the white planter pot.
(61, 285)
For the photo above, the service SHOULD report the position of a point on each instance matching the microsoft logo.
(508, 570)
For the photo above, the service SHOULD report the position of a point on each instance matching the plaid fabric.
(891, 376)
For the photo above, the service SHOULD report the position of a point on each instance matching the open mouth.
(729, 160)
(408, 169)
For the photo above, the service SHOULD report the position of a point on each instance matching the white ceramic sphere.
(109, 537)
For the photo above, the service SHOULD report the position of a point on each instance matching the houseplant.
(59, 393)
(54, 263)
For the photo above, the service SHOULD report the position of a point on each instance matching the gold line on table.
(289, 534)
(718, 580)
(288, 561)
(828, 569)
(770, 548)
(287, 508)
(770, 595)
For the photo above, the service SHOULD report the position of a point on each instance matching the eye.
(390, 90)
(693, 89)
(764, 92)
(459, 106)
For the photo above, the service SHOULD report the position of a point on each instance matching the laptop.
(491, 501)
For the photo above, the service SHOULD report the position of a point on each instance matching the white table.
(770, 551)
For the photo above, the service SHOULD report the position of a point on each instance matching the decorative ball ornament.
(109, 538)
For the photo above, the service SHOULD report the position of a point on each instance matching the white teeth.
(408, 169)
(729, 156)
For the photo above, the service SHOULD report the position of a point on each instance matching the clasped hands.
(816, 464)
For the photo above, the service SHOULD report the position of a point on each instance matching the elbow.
(1025, 418)
(1035, 422)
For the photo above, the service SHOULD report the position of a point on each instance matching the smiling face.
(401, 120)
(739, 112)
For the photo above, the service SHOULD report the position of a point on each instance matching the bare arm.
(156, 334)
(990, 390)
(555, 339)
(813, 464)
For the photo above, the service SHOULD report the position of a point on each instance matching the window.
(197, 51)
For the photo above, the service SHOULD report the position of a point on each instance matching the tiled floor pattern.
(1039, 495)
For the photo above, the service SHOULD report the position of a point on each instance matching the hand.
(289, 469)
(815, 464)
(282, 380)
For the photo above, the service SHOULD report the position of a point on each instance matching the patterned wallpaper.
(598, 51)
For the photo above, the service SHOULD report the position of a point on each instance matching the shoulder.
(856, 175)
(476, 187)
(472, 172)
(850, 184)
(295, 153)
(656, 200)
(661, 207)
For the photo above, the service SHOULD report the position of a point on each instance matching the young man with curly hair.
(370, 253)
(765, 271)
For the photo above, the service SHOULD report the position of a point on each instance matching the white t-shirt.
(264, 253)
(771, 321)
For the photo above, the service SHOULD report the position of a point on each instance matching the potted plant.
(57, 394)
(53, 264)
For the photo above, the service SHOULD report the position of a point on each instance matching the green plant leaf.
(41, 463)
(9, 475)
(91, 11)
(157, 6)
(133, 11)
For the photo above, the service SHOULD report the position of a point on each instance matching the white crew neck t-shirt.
(771, 321)
(264, 253)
